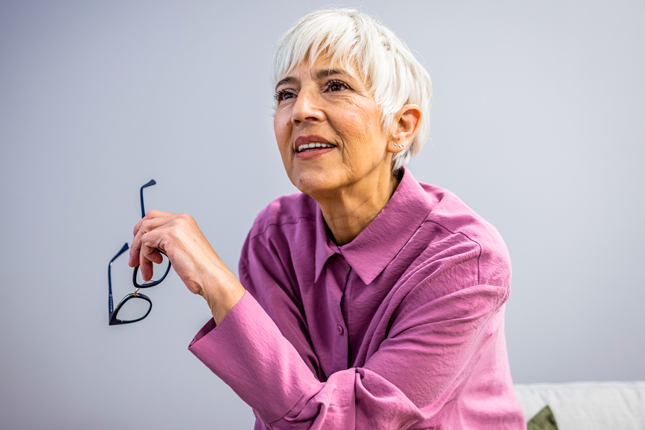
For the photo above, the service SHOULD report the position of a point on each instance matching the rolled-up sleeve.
(248, 352)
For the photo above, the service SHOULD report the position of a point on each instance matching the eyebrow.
(328, 72)
(318, 75)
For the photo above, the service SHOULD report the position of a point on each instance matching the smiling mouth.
(314, 146)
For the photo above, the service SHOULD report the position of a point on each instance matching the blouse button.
(340, 329)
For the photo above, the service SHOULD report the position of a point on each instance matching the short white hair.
(390, 71)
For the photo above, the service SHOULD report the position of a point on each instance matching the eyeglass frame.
(112, 312)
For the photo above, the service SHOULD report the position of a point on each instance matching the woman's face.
(326, 105)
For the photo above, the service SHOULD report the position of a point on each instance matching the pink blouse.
(402, 328)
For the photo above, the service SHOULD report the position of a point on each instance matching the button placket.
(343, 269)
(343, 322)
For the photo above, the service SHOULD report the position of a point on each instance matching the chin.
(314, 182)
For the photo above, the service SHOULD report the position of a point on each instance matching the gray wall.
(537, 124)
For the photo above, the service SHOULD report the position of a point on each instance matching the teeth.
(314, 145)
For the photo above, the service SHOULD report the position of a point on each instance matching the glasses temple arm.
(150, 183)
(124, 248)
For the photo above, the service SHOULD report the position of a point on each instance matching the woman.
(368, 300)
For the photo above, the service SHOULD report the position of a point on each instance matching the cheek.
(362, 127)
(282, 130)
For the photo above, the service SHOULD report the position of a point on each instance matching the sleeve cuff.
(248, 352)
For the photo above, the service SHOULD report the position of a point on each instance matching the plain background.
(538, 125)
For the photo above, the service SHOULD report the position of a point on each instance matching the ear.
(404, 126)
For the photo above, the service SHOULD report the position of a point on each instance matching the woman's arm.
(406, 384)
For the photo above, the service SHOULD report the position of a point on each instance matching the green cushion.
(543, 420)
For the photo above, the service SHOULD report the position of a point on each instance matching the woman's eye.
(336, 86)
(284, 95)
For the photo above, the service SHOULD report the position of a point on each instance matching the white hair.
(389, 70)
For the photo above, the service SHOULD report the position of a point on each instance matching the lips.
(309, 139)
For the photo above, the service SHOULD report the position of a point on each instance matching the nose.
(307, 107)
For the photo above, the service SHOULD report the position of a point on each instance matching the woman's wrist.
(222, 296)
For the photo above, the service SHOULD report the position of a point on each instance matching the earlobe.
(395, 146)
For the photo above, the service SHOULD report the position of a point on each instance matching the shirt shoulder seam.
(467, 237)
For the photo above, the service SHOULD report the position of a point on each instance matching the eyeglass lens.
(133, 308)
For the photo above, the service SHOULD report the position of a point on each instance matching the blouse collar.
(376, 246)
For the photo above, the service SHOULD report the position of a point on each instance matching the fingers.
(156, 220)
(149, 253)
(146, 245)
(151, 215)
(155, 256)
(146, 271)
(177, 236)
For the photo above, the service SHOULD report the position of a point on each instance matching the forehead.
(320, 69)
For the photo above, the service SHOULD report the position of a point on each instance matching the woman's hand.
(192, 257)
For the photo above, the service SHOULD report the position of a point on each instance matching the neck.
(349, 210)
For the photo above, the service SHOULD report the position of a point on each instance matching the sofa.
(587, 405)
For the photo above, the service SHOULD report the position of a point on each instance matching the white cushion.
(587, 405)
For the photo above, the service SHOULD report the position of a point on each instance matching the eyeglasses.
(134, 307)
